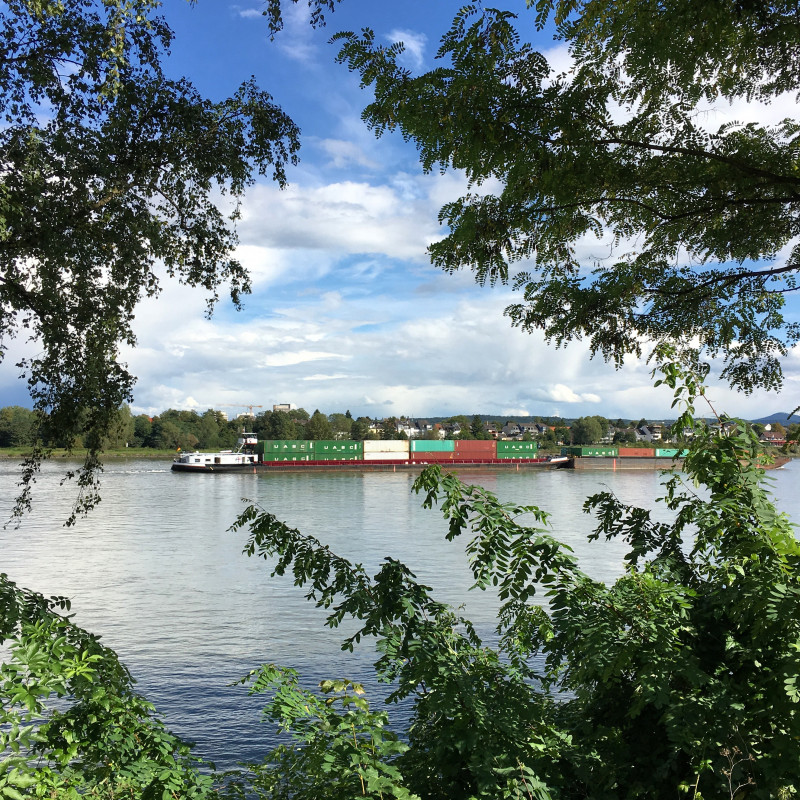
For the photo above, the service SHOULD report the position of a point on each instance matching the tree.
(342, 425)
(208, 429)
(318, 428)
(389, 428)
(18, 427)
(624, 437)
(72, 724)
(360, 428)
(109, 167)
(121, 430)
(653, 686)
(586, 430)
(142, 426)
(478, 428)
(280, 426)
(693, 218)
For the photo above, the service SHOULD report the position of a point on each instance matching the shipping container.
(636, 452)
(523, 456)
(339, 446)
(590, 450)
(268, 457)
(516, 447)
(387, 455)
(429, 446)
(336, 457)
(288, 446)
(475, 448)
(670, 452)
(386, 446)
(433, 455)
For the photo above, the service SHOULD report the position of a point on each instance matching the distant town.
(218, 428)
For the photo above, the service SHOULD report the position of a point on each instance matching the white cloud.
(248, 13)
(343, 217)
(345, 154)
(414, 46)
(323, 377)
(560, 60)
(295, 358)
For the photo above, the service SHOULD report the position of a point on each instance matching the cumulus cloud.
(341, 217)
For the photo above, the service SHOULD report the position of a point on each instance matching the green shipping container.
(508, 456)
(668, 452)
(344, 446)
(288, 446)
(516, 447)
(590, 450)
(337, 457)
(431, 446)
(288, 457)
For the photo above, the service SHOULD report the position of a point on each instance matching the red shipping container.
(637, 452)
(483, 448)
(433, 455)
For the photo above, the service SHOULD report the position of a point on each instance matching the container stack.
(590, 450)
(285, 450)
(506, 450)
(386, 450)
(431, 450)
(329, 450)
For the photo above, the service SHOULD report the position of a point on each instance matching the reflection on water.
(156, 572)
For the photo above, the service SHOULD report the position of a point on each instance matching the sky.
(347, 312)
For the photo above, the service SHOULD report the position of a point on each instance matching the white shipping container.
(386, 456)
(385, 446)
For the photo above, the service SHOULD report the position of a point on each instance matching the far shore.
(111, 455)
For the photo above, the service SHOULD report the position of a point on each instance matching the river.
(155, 571)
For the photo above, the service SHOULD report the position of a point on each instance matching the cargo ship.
(252, 455)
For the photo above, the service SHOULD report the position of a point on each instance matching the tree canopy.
(679, 678)
(695, 224)
(110, 176)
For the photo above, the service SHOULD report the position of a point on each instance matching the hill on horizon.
(780, 416)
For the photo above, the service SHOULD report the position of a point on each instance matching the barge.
(252, 455)
(290, 455)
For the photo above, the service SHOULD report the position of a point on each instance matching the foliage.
(678, 679)
(71, 724)
(318, 428)
(110, 167)
(690, 217)
(588, 430)
(340, 749)
(342, 425)
(360, 428)
(18, 426)
(477, 428)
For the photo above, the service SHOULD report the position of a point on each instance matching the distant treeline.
(211, 430)
(170, 430)
(188, 430)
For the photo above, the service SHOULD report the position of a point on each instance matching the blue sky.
(347, 312)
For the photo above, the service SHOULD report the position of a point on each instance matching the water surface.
(155, 570)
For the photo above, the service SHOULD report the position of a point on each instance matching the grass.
(121, 453)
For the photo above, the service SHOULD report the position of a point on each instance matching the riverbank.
(146, 453)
